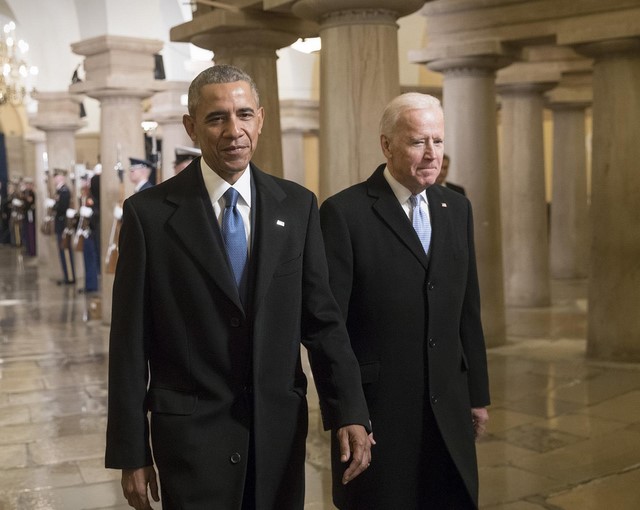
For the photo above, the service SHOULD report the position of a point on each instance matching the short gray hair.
(221, 73)
(403, 103)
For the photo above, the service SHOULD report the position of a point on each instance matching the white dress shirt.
(216, 188)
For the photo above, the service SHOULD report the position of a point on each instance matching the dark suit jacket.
(218, 370)
(414, 324)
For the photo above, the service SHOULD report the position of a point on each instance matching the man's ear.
(189, 126)
(384, 143)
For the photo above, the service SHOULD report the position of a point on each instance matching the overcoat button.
(432, 342)
(434, 399)
(235, 458)
(430, 286)
(235, 322)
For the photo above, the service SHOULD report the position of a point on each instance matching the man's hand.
(354, 445)
(479, 418)
(134, 487)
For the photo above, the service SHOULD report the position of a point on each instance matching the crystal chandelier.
(14, 71)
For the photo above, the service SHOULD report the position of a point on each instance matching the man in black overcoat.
(412, 306)
(209, 342)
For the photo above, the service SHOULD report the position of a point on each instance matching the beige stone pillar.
(167, 110)
(59, 118)
(119, 73)
(525, 238)
(472, 142)
(299, 117)
(569, 253)
(614, 277)
(359, 75)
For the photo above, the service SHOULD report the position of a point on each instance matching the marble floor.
(564, 432)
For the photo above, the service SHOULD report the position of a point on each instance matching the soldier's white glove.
(49, 203)
(86, 212)
(117, 212)
(16, 202)
(71, 213)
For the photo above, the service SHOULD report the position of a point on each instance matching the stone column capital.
(166, 105)
(472, 65)
(117, 62)
(342, 12)
(609, 48)
(263, 31)
(524, 88)
(574, 92)
(300, 115)
(57, 111)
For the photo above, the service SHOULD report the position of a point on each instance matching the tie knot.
(415, 200)
(231, 197)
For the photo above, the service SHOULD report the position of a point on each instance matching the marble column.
(525, 235)
(614, 277)
(569, 253)
(120, 74)
(299, 118)
(167, 109)
(359, 75)
(58, 117)
(471, 140)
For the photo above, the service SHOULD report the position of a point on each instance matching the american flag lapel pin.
(280, 223)
(444, 204)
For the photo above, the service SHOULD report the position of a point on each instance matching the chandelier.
(14, 71)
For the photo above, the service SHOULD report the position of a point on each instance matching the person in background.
(139, 173)
(87, 227)
(402, 268)
(221, 276)
(62, 204)
(442, 176)
(29, 198)
(184, 156)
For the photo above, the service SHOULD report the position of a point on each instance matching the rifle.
(83, 231)
(112, 251)
(72, 217)
(47, 226)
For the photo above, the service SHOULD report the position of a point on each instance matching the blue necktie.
(420, 222)
(234, 235)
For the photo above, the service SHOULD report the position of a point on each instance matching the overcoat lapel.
(194, 224)
(387, 208)
(441, 222)
(271, 224)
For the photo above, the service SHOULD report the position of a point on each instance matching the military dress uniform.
(63, 201)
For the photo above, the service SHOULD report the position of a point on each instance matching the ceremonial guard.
(84, 239)
(5, 213)
(184, 156)
(29, 222)
(17, 213)
(62, 205)
(140, 173)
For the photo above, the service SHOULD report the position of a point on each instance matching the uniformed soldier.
(29, 222)
(184, 156)
(62, 205)
(86, 230)
(16, 217)
(140, 172)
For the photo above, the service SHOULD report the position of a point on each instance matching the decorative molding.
(359, 17)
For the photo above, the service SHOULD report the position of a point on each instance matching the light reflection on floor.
(564, 432)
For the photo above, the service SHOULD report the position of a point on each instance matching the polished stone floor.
(564, 432)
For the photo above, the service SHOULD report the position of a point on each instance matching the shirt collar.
(400, 191)
(216, 185)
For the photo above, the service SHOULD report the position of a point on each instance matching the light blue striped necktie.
(234, 235)
(420, 221)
